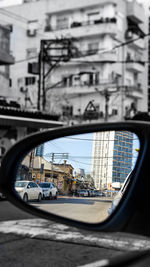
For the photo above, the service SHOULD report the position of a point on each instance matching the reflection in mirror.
(81, 177)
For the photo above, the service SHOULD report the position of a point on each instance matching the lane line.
(100, 263)
(43, 229)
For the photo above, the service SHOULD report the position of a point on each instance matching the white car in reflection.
(83, 193)
(49, 190)
(28, 190)
(119, 195)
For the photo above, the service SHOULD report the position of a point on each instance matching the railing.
(102, 82)
(75, 24)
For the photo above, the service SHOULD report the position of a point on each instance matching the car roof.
(45, 182)
(24, 181)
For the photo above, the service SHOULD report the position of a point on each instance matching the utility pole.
(52, 53)
(52, 166)
(107, 93)
(56, 156)
(107, 96)
(123, 83)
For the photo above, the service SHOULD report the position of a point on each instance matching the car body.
(49, 190)
(91, 193)
(83, 193)
(99, 193)
(119, 195)
(28, 190)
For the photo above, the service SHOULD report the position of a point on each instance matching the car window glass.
(35, 185)
(31, 185)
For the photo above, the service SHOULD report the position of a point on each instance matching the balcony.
(135, 12)
(98, 56)
(85, 29)
(134, 91)
(135, 66)
(140, 43)
(87, 89)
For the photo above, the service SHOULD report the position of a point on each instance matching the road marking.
(44, 229)
(100, 263)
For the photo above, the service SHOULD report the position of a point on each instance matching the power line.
(94, 157)
(13, 15)
(99, 140)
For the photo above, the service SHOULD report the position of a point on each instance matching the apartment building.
(6, 59)
(103, 79)
(112, 157)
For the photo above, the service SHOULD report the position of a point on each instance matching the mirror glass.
(81, 177)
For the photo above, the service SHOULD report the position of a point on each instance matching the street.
(30, 241)
(87, 209)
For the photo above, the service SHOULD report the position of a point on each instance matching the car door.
(53, 190)
(30, 191)
(35, 190)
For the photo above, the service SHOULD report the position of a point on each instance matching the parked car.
(28, 190)
(91, 193)
(83, 193)
(49, 190)
(99, 193)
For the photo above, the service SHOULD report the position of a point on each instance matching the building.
(112, 157)
(40, 170)
(6, 59)
(80, 173)
(102, 78)
(39, 151)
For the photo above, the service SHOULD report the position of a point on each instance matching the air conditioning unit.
(31, 32)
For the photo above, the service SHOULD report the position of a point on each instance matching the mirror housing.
(123, 212)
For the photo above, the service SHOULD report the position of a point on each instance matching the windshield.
(21, 184)
(44, 185)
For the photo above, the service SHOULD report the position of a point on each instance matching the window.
(31, 53)
(67, 110)
(48, 24)
(62, 22)
(10, 82)
(47, 175)
(93, 48)
(93, 16)
(35, 185)
(32, 28)
(30, 80)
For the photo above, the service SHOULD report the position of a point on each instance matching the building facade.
(39, 151)
(6, 59)
(112, 157)
(100, 70)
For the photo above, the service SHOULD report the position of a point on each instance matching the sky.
(79, 148)
(4, 3)
(15, 2)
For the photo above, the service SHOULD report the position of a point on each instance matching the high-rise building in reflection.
(39, 151)
(112, 157)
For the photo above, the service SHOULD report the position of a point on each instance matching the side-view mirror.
(88, 166)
